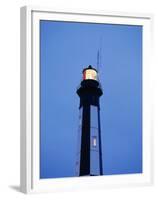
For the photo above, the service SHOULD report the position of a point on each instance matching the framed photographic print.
(86, 96)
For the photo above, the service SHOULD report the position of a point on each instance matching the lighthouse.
(89, 150)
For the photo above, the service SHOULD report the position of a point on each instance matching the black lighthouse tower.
(89, 155)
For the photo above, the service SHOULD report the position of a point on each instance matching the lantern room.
(90, 73)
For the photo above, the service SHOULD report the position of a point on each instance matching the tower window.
(94, 141)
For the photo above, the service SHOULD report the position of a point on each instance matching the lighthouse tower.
(89, 154)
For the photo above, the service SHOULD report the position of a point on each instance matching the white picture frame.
(30, 181)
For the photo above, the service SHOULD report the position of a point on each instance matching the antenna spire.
(98, 60)
(99, 52)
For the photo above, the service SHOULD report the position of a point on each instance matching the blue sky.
(65, 49)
